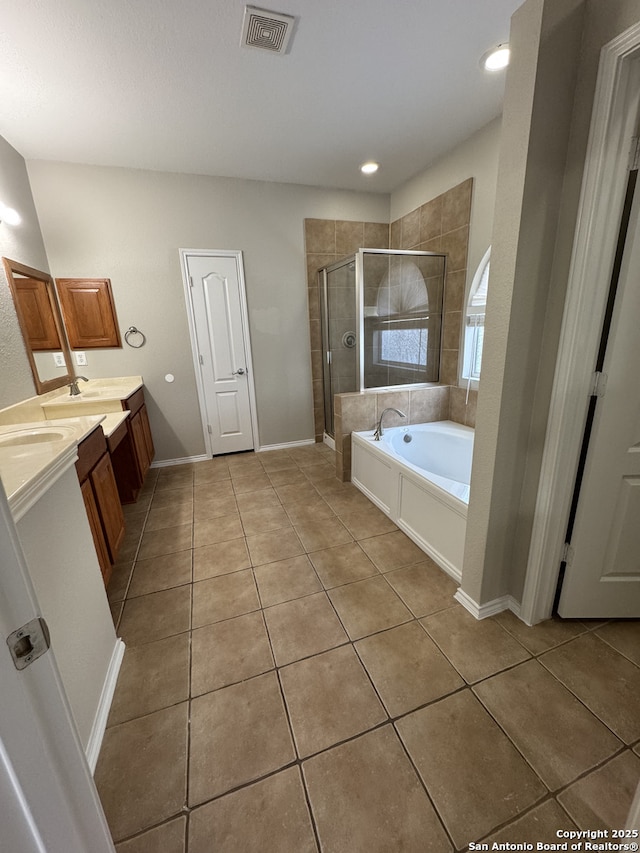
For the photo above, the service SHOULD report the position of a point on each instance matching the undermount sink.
(36, 435)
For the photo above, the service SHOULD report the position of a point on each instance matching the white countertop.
(93, 394)
(28, 470)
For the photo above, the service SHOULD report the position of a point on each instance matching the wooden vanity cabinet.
(140, 431)
(101, 499)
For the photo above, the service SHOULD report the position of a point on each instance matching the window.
(474, 320)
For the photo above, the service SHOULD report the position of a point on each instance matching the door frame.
(613, 124)
(237, 255)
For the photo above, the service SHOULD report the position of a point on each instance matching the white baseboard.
(287, 445)
(482, 611)
(104, 706)
(165, 463)
(330, 442)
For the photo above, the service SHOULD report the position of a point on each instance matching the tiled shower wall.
(439, 225)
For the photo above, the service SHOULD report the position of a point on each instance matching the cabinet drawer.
(89, 452)
(135, 401)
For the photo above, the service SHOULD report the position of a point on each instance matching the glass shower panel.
(340, 339)
(402, 317)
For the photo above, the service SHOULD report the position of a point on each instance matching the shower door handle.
(238, 372)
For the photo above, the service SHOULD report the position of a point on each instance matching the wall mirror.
(38, 313)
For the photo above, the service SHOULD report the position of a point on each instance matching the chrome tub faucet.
(378, 432)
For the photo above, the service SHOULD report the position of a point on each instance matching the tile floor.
(298, 677)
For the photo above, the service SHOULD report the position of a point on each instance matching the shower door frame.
(358, 257)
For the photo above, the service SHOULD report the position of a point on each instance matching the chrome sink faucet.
(378, 433)
(73, 386)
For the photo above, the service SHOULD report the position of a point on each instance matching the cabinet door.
(89, 312)
(140, 444)
(109, 507)
(96, 530)
(146, 429)
(37, 314)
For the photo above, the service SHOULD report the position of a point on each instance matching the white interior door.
(216, 290)
(48, 801)
(602, 578)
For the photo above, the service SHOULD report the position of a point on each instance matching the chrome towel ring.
(133, 331)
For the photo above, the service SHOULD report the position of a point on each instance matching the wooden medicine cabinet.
(89, 312)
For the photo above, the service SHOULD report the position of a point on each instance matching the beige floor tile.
(319, 471)
(473, 773)
(157, 615)
(252, 483)
(407, 668)
(322, 533)
(263, 520)
(119, 581)
(347, 503)
(607, 683)
(624, 637)
(275, 461)
(217, 489)
(392, 551)
(425, 588)
(365, 796)
(165, 541)
(172, 498)
(602, 799)
(229, 651)
(257, 500)
(309, 510)
(285, 580)
(270, 816)
(543, 636)
(220, 559)
(152, 676)
(179, 478)
(540, 825)
(477, 648)
(210, 531)
(159, 573)
(342, 564)
(286, 476)
(168, 838)
(296, 493)
(211, 475)
(238, 734)
(333, 486)
(168, 516)
(368, 606)
(153, 747)
(303, 627)
(558, 736)
(274, 545)
(214, 507)
(240, 469)
(330, 699)
(224, 597)
(367, 522)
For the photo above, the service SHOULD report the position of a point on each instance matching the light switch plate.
(81, 358)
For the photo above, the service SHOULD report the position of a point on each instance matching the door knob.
(238, 372)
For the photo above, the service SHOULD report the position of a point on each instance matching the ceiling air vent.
(266, 30)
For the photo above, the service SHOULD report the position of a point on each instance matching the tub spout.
(378, 433)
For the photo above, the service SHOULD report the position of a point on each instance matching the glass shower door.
(339, 330)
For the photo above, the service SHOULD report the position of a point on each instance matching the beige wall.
(127, 225)
(550, 85)
(20, 243)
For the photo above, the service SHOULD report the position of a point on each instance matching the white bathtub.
(419, 476)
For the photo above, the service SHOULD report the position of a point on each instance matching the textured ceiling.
(165, 85)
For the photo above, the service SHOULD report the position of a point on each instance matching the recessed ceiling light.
(496, 59)
(369, 167)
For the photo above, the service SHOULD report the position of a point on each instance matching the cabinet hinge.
(634, 154)
(598, 385)
(29, 642)
(567, 554)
